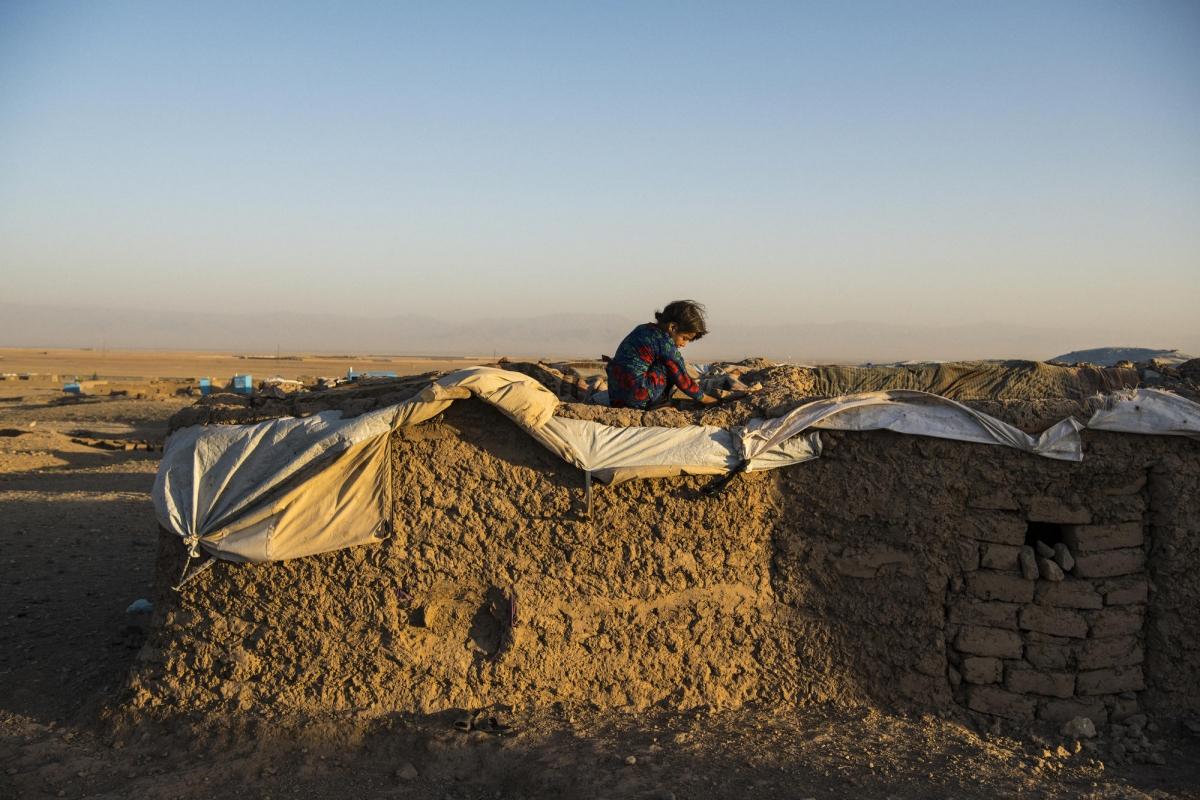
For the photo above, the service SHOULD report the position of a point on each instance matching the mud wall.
(848, 579)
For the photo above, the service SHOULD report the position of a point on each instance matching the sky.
(936, 163)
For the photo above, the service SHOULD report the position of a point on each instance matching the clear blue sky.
(946, 162)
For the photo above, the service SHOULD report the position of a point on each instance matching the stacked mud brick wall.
(1062, 638)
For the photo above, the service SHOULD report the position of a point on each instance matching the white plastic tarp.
(614, 454)
(1149, 411)
(911, 412)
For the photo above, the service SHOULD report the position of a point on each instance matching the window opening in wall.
(1049, 533)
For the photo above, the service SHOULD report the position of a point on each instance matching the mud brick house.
(910, 572)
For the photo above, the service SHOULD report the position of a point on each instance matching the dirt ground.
(78, 536)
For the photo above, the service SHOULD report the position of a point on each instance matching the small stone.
(1062, 752)
(1050, 570)
(1156, 758)
(1079, 728)
(1136, 723)
(1044, 550)
(407, 772)
(1028, 562)
(630, 760)
(1117, 750)
(1063, 557)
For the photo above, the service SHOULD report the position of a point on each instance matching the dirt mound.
(1030, 395)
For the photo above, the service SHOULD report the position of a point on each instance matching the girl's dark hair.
(688, 316)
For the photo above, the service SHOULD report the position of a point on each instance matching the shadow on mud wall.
(861, 565)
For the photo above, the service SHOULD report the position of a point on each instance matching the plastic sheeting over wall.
(1148, 411)
(291, 487)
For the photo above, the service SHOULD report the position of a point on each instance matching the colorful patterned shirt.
(647, 363)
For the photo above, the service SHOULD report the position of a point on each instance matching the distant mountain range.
(582, 335)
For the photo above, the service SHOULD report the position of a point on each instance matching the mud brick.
(981, 641)
(1067, 710)
(1069, 594)
(1050, 656)
(1032, 681)
(989, 585)
(1115, 621)
(1118, 651)
(1055, 621)
(998, 556)
(1126, 591)
(968, 554)
(1110, 681)
(1053, 509)
(991, 614)
(979, 670)
(994, 500)
(997, 527)
(1000, 703)
(1109, 563)
(1091, 538)
(1045, 638)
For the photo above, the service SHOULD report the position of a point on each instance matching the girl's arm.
(677, 371)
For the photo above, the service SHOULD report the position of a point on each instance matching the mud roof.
(1028, 394)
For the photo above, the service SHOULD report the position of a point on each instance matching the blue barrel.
(243, 384)
(205, 387)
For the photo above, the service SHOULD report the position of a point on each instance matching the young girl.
(648, 364)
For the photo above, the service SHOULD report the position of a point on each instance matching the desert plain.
(79, 547)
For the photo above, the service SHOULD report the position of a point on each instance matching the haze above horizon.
(921, 165)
